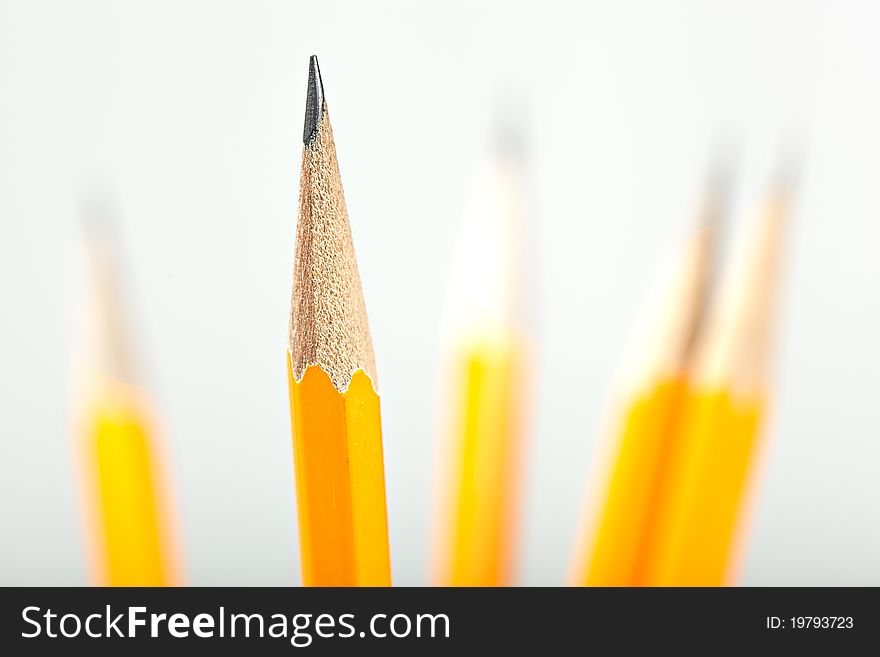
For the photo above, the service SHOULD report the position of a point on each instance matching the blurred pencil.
(699, 528)
(337, 438)
(620, 524)
(485, 397)
(126, 494)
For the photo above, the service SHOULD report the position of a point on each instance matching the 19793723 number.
(810, 622)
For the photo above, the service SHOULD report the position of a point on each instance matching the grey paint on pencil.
(314, 102)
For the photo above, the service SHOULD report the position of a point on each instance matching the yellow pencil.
(618, 534)
(334, 400)
(485, 397)
(115, 427)
(700, 526)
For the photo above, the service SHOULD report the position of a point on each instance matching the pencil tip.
(314, 102)
(789, 165)
(722, 167)
(98, 215)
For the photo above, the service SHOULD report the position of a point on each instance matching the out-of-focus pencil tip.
(789, 165)
(314, 102)
(719, 183)
(722, 168)
(508, 138)
(98, 215)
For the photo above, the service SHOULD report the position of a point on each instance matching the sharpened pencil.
(486, 389)
(116, 427)
(703, 519)
(619, 534)
(334, 400)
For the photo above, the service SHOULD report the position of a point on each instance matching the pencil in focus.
(337, 438)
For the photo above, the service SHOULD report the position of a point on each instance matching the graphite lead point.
(314, 102)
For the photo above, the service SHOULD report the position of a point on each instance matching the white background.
(191, 112)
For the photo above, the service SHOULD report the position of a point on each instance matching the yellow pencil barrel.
(624, 534)
(486, 443)
(340, 481)
(701, 521)
(126, 490)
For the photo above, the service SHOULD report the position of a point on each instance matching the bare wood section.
(104, 324)
(738, 343)
(328, 320)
